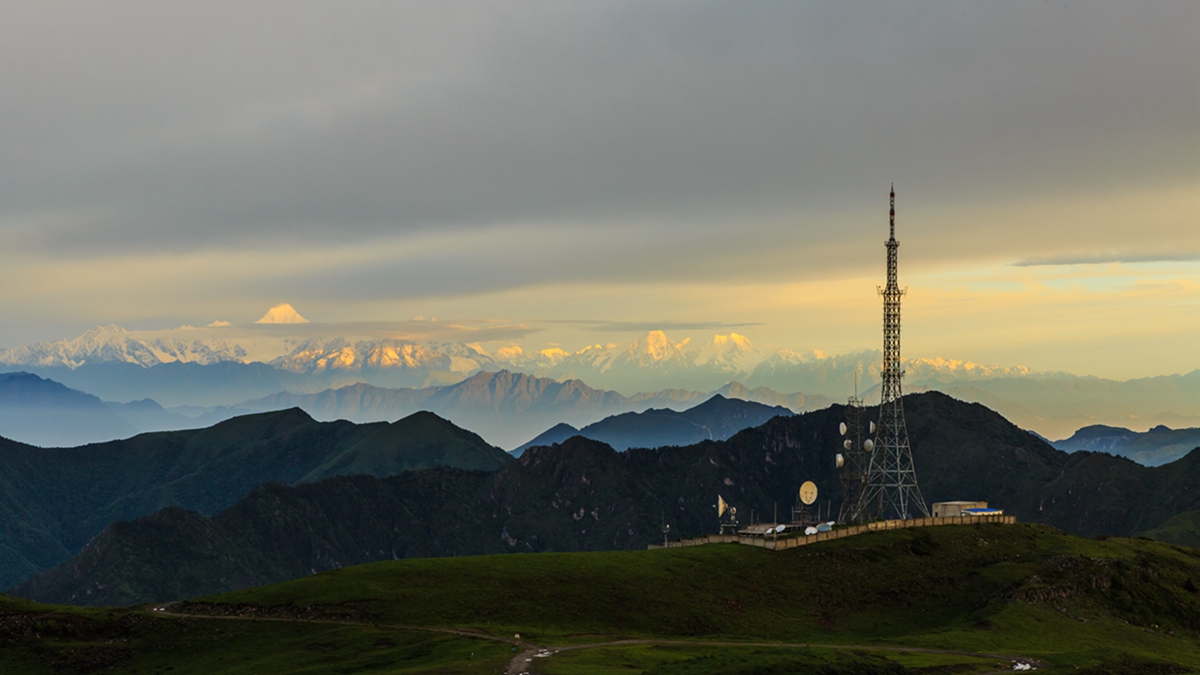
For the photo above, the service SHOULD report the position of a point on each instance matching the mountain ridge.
(54, 500)
(1160, 445)
(43, 412)
(583, 495)
(717, 418)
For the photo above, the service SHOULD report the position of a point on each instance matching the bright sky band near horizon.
(584, 172)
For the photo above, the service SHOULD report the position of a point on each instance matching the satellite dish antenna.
(808, 492)
(809, 531)
(872, 427)
(721, 506)
(848, 444)
(842, 428)
(869, 445)
(733, 510)
(841, 461)
(779, 529)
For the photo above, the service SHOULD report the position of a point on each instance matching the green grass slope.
(876, 586)
(1182, 529)
(1076, 605)
(1022, 589)
(50, 640)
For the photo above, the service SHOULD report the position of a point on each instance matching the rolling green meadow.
(889, 602)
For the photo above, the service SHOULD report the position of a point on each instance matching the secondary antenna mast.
(891, 490)
(855, 458)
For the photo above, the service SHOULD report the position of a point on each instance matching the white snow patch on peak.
(658, 346)
(282, 314)
(510, 353)
(219, 324)
(99, 331)
(793, 356)
(732, 339)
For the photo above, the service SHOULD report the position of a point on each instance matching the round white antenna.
(848, 444)
(842, 428)
(872, 427)
(841, 461)
(808, 492)
(869, 445)
(809, 531)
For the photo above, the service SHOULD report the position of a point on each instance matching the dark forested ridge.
(583, 495)
(53, 500)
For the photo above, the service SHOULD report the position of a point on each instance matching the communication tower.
(891, 490)
(855, 459)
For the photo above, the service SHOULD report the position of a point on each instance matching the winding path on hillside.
(520, 665)
(523, 662)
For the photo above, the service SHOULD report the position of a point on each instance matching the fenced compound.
(793, 539)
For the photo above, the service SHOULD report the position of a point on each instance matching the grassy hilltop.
(1117, 605)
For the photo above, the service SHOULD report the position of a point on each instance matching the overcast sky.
(588, 169)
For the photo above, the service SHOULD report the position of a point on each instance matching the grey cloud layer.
(176, 127)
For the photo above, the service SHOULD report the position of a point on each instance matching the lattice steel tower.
(891, 491)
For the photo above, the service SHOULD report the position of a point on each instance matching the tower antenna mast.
(891, 490)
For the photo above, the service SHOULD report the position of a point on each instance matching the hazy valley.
(509, 396)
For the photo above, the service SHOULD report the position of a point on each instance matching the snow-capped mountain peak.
(284, 313)
(656, 346)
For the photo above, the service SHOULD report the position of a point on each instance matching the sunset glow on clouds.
(725, 169)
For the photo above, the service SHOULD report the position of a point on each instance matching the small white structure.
(959, 509)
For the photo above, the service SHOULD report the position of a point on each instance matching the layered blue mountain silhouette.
(716, 419)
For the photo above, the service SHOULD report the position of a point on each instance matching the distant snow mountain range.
(650, 363)
(113, 344)
(195, 373)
